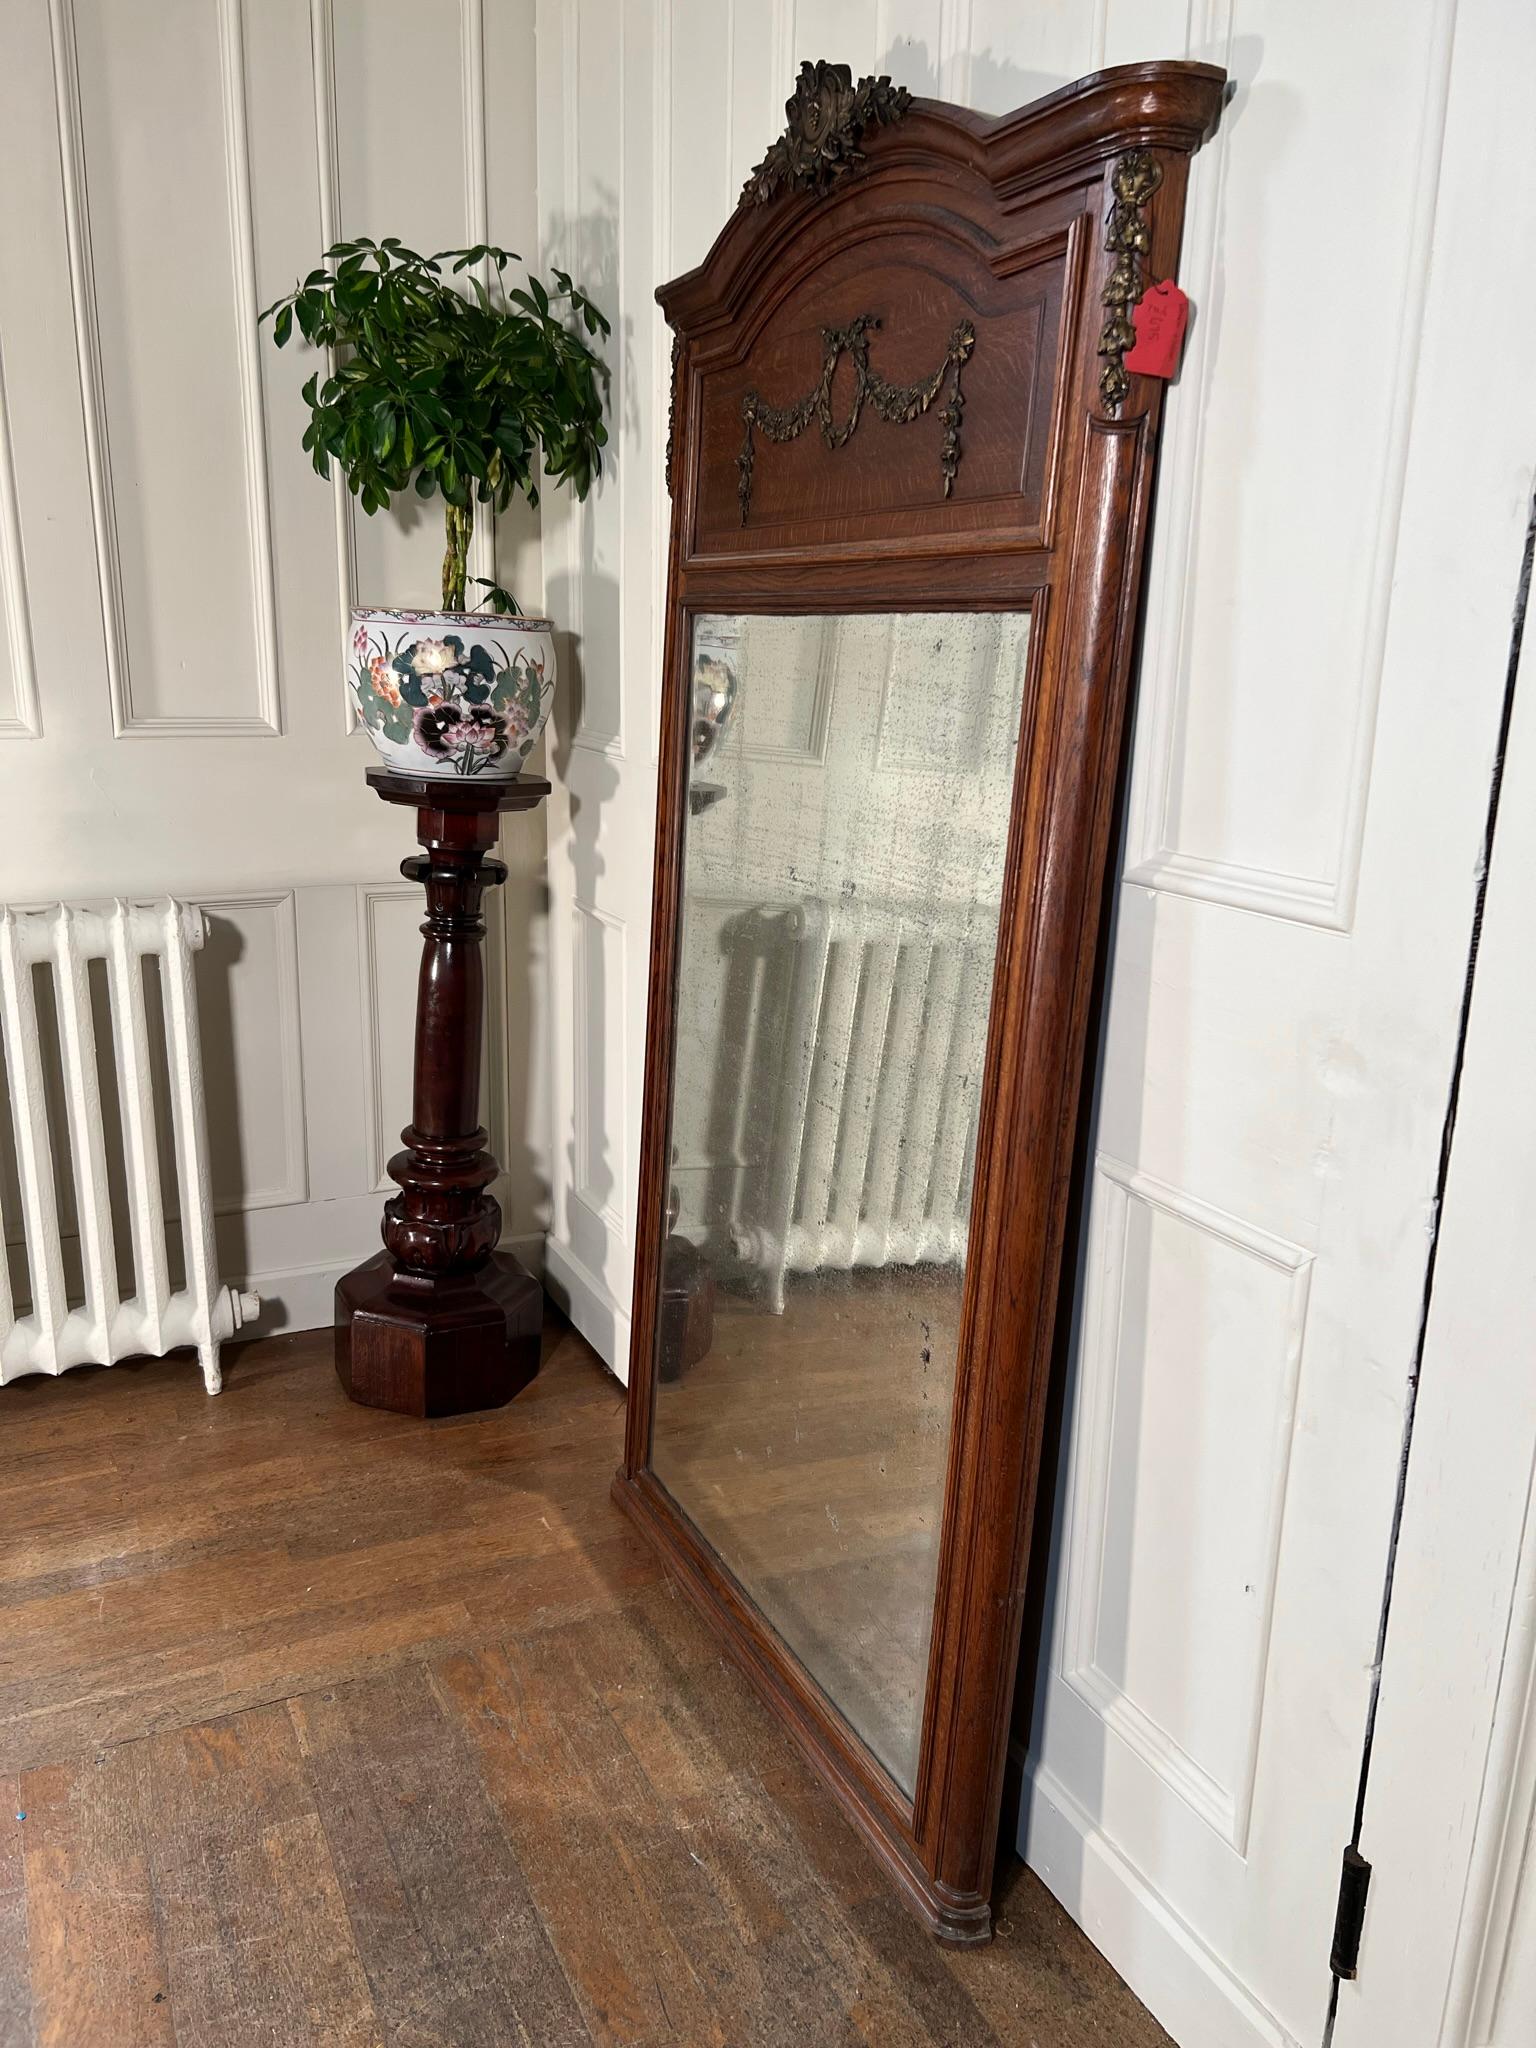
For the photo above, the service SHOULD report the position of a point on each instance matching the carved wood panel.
(918, 386)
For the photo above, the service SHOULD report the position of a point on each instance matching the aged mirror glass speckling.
(849, 800)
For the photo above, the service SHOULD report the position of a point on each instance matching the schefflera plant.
(440, 389)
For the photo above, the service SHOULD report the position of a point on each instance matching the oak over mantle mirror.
(910, 470)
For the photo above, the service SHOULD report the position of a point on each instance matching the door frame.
(1452, 1762)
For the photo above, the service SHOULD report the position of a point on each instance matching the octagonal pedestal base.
(442, 1346)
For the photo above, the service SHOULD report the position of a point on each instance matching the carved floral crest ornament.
(827, 115)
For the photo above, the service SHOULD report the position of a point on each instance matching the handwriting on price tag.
(1159, 317)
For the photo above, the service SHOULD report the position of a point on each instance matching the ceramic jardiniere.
(452, 693)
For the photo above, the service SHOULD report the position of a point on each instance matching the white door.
(1448, 1958)
(173, 577)
(1340, 530)
(1339, 520)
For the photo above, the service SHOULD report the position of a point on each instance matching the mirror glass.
(848, 806)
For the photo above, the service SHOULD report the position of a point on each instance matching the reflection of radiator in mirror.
(846, 1086)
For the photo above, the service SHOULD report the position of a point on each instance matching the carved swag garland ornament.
(895, 403)
(825, 119)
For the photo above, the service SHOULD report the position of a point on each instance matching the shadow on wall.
(991, 83)
(515, 1107)
(586, 739)
(590, 777)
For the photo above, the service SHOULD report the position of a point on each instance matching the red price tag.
(1159, 317)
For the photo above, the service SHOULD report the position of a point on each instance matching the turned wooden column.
(440, 1321)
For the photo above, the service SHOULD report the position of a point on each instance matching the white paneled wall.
(1325, 642)
(173, 576)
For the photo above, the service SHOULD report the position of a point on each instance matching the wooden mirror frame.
(1085, 189)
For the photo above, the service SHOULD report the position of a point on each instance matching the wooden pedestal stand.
(441, 1322)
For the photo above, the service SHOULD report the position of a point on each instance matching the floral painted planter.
(452, 693)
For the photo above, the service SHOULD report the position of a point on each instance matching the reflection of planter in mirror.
(703, 796)
(714, 698)
(687, 1328)
(687, 1331)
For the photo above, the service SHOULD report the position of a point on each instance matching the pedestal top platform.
(458, 792)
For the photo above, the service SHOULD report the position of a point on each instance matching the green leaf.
(436, 386)
(497, 599)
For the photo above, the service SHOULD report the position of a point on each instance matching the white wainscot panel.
(788, 675)
(941, 691)
(996, 55)
(248, 1015)
(1257, 721)
(602, 1118)
(389, 954)
(151, 104)
(19, 712)
(1185, 1409)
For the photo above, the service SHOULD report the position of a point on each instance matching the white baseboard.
(303, 1297)
(1184, 1987)
(583, 1297)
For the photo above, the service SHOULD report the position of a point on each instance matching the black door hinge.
(1354, 1883)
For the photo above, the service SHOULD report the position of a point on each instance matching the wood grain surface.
(331, 1726)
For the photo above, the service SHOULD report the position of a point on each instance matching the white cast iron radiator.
(154, 1318)
(877, 1082)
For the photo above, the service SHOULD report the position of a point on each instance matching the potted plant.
(455, 394)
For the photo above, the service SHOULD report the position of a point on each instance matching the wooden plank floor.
(322, 1726)
(809, 1449)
